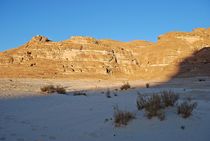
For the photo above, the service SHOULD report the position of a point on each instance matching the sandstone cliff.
(85, 57)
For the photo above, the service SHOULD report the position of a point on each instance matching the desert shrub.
(155, 104)
(52, 89)
(185, 108)
(169, 98)
(122, 117)
(48, 89)
(80, 93)
(164, 99)
(125, 86)
(152, 105)
(60, 90)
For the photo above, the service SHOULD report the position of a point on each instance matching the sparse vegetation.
(154, 105)
(125, 86)
(122, 117)
(52, 89)
(185, 108)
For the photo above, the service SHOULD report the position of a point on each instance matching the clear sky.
(123, 20)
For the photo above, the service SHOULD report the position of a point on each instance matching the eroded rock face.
(87, 57)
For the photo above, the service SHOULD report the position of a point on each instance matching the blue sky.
(123, 20)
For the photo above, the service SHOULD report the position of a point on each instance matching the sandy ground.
(26, 114)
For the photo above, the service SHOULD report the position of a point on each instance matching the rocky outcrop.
(39, 39)
(87, 57)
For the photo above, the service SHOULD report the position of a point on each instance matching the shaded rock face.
(87, 57)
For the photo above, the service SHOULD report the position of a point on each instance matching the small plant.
(125, 86)
(169, 98)
(48, 89)
(80, 93)
(185, 108)
(122, 117)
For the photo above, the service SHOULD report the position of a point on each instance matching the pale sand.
(26, 114)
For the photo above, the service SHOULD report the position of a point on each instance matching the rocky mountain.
(88, 58)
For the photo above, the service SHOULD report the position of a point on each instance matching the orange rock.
(88, 58)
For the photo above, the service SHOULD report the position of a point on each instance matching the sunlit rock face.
(86, 57)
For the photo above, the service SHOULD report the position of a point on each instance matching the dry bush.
(169, 98)
(80, 94)
(52, 89)
(152, 105)
(48, 89)
(155, 104)
(165, 99)
(125, 86)
(122, 117)
(60, 90)
(185, 108)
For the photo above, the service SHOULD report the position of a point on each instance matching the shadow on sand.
(196, 66)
